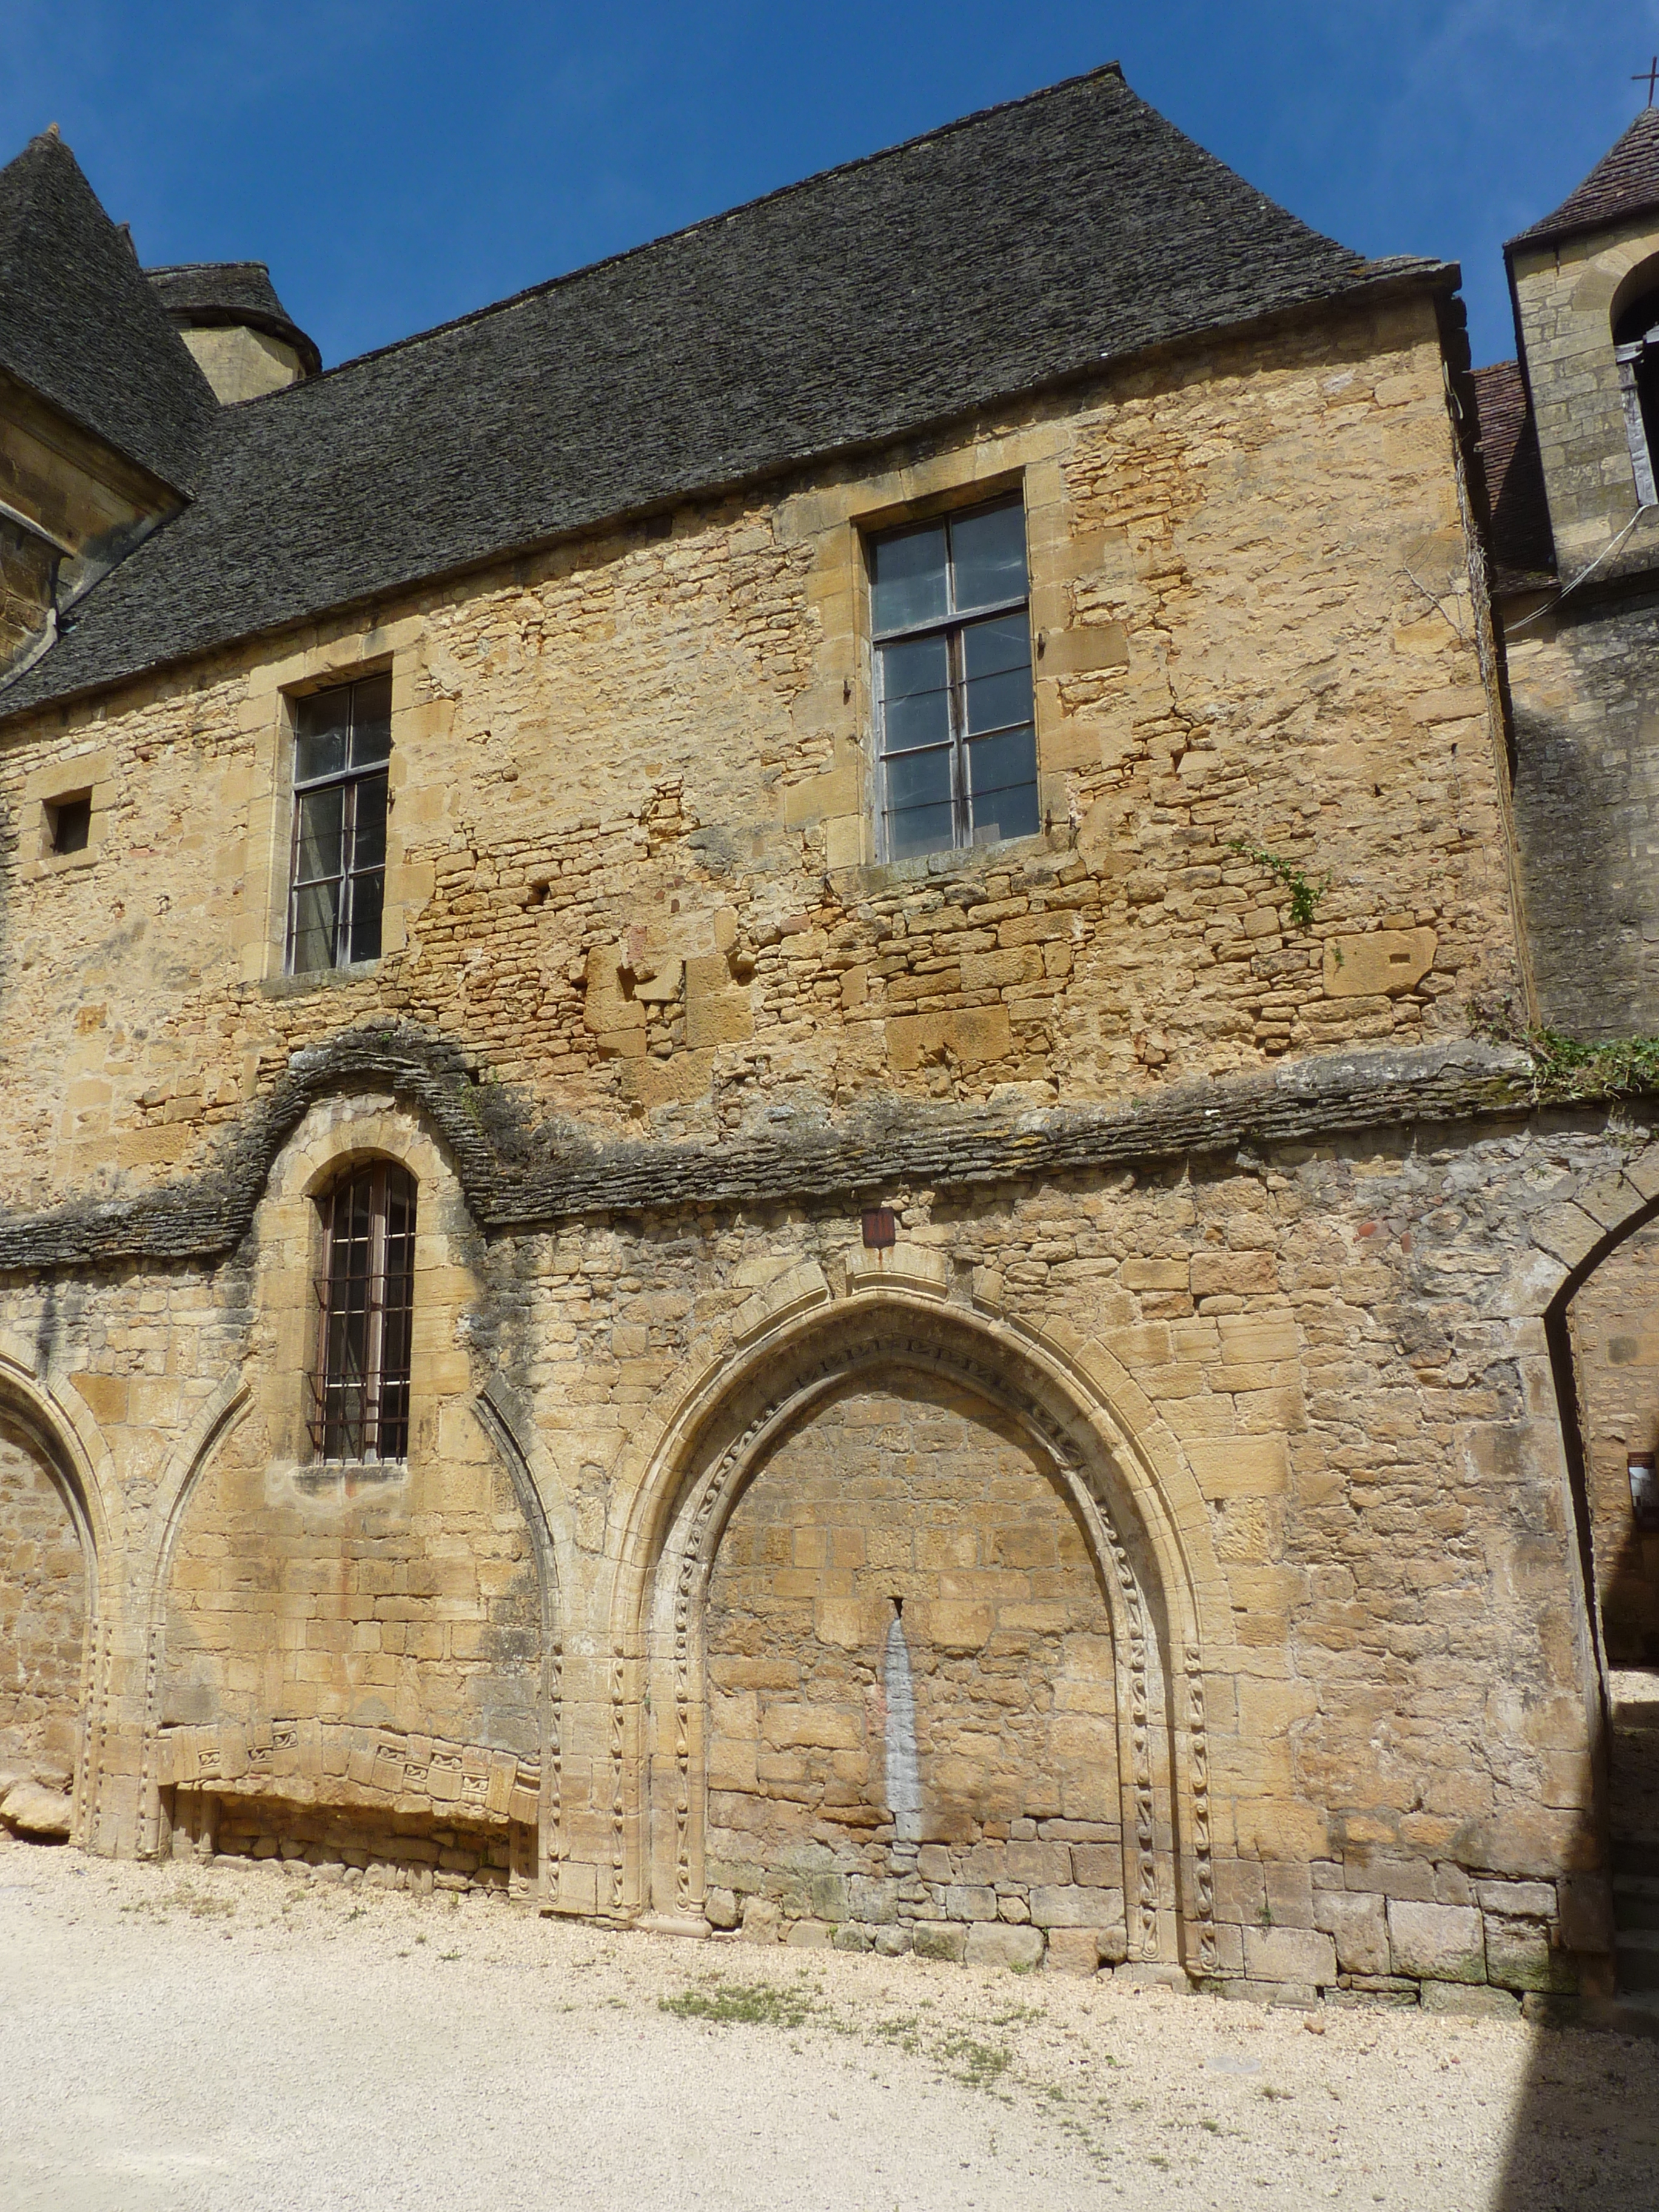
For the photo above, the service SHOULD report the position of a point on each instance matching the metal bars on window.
(365, 1309)
(336, 878)
(952, 630)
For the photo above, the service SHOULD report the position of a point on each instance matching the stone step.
(1635, 1855)
(1638, 1953)
(1636, 1900)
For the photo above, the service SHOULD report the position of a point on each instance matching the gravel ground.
(220, 2037)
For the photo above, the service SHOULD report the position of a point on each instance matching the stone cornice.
(517, 1174)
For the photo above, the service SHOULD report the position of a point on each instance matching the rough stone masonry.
(1195, 1432)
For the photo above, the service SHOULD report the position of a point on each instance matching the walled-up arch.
(57, 1549)
(1054, 1478)
(355, 1658)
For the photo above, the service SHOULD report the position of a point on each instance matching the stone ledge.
(518, 1175)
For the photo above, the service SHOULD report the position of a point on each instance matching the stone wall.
(43, 1618)
(1209, 1427)
(913, 1505)
(1568, 293)
(1323, 1365)
(1586, 800)
(340, 1846)
(406, 1597)
(1614, 1326)
(631, 872)
(367, 1636)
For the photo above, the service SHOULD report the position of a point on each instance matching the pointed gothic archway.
(58, 1626)
(946, 1385)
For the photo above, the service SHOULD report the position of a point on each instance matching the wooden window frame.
(361, 1377)
(952, 628)
(350, 781)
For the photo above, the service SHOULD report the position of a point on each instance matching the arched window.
(1636, 349)
(365, 1297)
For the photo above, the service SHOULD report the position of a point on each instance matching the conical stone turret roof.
(1624, 182)
(80, 325)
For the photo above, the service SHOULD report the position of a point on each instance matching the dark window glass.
(365, 1299)
(958, 743)
(908, 581)
(69, 823)
(341, 743)
(988, 557)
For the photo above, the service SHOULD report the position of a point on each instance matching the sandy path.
(229, 2038)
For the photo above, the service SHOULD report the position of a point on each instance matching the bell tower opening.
(1636, 349)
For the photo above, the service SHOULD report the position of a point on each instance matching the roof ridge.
(547, 284)
(182, 268)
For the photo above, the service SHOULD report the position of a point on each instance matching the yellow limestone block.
(1377, 966)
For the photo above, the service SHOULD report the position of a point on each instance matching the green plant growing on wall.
(1564, 1069)
(1305, 894)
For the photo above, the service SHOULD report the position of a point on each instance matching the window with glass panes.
(365, 1311)
(342, 743)
(952, 636)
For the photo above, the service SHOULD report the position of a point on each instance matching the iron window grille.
(951, 624)
(365, 1309)
(337, 879)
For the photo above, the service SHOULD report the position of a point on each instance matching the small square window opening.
(69, 823)
(337, 879)
(951, 621)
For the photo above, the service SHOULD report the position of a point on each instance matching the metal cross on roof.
(1651, 76)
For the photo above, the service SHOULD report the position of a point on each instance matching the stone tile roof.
(1624, 182)
(80, 325)
(1523, 548)
(221, 292)
(1023, 245)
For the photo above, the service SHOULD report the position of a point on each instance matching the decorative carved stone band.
(1198, 1776)
(1142, 1912)
(618, 1763)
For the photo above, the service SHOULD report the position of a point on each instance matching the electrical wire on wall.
(1514, 629)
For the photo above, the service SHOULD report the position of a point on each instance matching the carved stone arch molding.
(152, 1568)
(1594, 1215)
(49, 1418)
(511, 1436)
(1127, 1486)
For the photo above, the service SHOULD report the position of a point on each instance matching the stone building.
(754, 1175)
(1569, 431)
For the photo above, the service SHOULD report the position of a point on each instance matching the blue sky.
(397, 161)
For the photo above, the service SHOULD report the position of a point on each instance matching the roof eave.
(1551, 234)
(142, 469)
(1397, 278)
